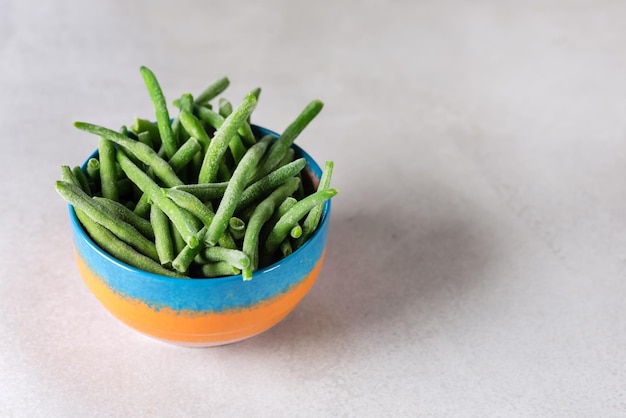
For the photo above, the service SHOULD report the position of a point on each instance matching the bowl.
(208, 311)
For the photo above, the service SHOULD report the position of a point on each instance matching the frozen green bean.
(235, 188)
(310, 223)
(141, 151)
(281, 230)
(157, 196)
(261, 214)
(162, 237)
(93, 169)
(221, 139)
(160, 108)
(108, 169)
(217, 269)
(262, 186)
(119, 249)
(286, 139)
(125, 214)
(236, 258)
(126, 232)
(212, 91)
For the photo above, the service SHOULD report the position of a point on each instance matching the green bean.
(179, 242)
(162, 238)
(142, 208)
(282, 208)
(225, 107)
(68, 176)
(261, 214)
(234, 190)
(235, 258)
(200, 210)
(108, 169)
(285, 248)
(285, 206)
(156, 195)
(186, 256)
(125, 214)
(269, 182)
(126, 232)
(82, 179)
(216, 120)
(222, 138)
(143, 125)
(256, 92)
(119, 249)
(192, 204)
(194, 128)
(93, 169)
(286, 139)
(160, 108)
(185, 154)
(313, 218)
(205, 191)
(213, 119)
(179, 160)
(223, 172)
(212, 91)
(296, 231)
(141, 151)
(217, 269)
(237, 227)
(287, 158)
(145, 138)
(186, 103)
(297, 212)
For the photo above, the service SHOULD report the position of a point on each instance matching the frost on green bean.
(158, 197)
(286, 139)
(139, 150)
(272, 180)
(236, 258)
(142, 125)
(261, 214)
(194, 128)
(119, 249)
(82, 179)
(219, 268)
(216, 120)
(75, 196)
(237, 227)
(160, 108)
(281, 230)
(108, 169)
(205, 191)
(125, 214)
(93, 169)
(162, 236)
(221, 139)
(212, 91)
(234, 189)
(310, 223)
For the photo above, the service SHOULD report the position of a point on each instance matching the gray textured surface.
(477, 251)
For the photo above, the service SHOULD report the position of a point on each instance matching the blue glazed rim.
(311, 166)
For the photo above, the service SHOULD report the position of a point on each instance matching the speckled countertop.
(476, 259)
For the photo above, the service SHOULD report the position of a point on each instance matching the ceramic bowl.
(202, 312)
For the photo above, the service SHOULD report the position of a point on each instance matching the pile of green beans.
(201, 194)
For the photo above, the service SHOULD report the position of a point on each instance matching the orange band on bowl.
(197, 327)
